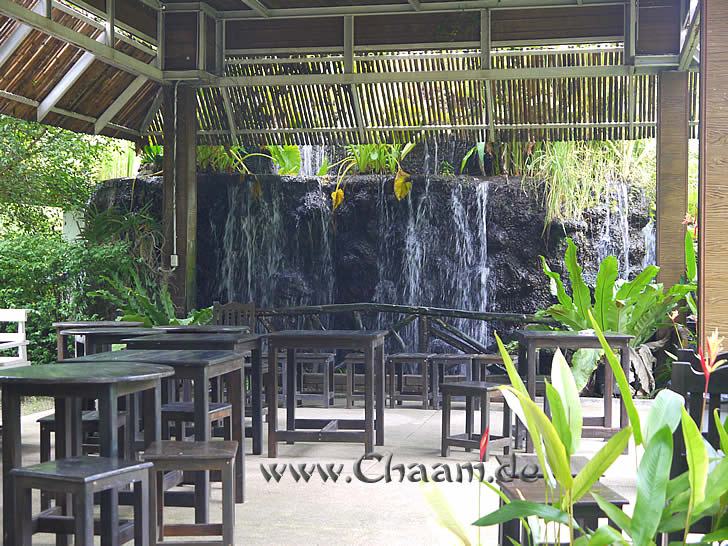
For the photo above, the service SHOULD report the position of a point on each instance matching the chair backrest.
(688, 381)
(18, 338)
(234, 314)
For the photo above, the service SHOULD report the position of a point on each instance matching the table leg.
(11, 458)
(109, 447)
(379, 393)
(68, 427)
(152, 410)
(369, 400)
(234, 383)
(291, 391)
(256, 384)
(201, 399)
(272, 400)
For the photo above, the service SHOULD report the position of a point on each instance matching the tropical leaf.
(402, 185)
(614, 513)
(665, 412)
(697, 457)
(605, 536)
(722, 431)
(511, 370)
(653, 475)
(558, 417)
(337, 197)
(630, 290)
(599, 463)
(583, 364)
(518, 509)
(580, 291)
(557, 286)
(605, 310)
(563, 382)
(443, 512)
(691, 264)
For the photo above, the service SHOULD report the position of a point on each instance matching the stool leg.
(444, 446)
(24, 515)
(485, 420)
(425, 384)
(436, 371)
(83, 518)
(228, 505)
(392, 386)
(326, 386)
(469, 413)
(349, 385)
(153, 507)
(141, 512)
(45, 455)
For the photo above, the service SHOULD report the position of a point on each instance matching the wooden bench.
(192, 457)
(470, 390)
(14, 341)
(82, 477)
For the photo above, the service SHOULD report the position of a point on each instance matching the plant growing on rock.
(639, 308)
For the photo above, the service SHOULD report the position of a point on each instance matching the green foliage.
(286, 158)
(447, 168)
(43, 166)
(376, 158)
(638, 307)
(53, 278)
(478, 151)
(325, 167)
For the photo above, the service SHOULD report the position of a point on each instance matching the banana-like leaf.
(518, 509)
(568, 317)
(605, 310)
(697, 457)
(653, 475)
(583, 364)
(691, 263)
(563, 381)
(443, 512)
(558, 417)
(666, 411)
(715, 487)
(599, 463)
(605, 536)
(511, 370)
(579, 290)
(722, 431)
(614, 513)
(630, 290)
(557, 286)
(621, 379)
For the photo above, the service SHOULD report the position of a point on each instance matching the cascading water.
(648, 236)
(614, 238)
(312, 158)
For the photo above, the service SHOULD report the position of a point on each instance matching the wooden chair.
(234, 314)
(82, 477)
(192, 457)
(14, 341)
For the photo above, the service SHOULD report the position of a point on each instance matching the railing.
(431, 322)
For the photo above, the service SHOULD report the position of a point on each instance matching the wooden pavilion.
(322, 71)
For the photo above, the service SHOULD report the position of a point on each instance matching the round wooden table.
(203, 329)
(67, 384)
(62, 346)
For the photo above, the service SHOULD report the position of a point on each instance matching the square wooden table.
(67, 384)
(371, 345)
(61, 339)
(243, 343)
(530, 341)
(198, 366)
(100, 339)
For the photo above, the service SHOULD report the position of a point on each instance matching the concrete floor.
(352, 512)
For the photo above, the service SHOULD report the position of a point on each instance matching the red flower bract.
(484, 439)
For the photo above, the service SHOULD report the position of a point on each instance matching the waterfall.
(614, 238)
(312, 157)
(648, 236)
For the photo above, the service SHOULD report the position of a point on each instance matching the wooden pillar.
(713, 198)
(672, 174)
(180, 192)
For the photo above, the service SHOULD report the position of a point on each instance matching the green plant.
(662, 504)
(286, 158)
(325, 167)
(478, 151)
(638, 308)
(447, 168)
(152, 154)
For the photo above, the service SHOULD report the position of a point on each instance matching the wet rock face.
(459, 242)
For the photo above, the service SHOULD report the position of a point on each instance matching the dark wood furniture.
(354, 383)
(245, 344)
(67, 384)
(420, 388)
(440, 363)
(586, 510)
(323, 364)
(100, 340)
(234, 314)
(198, 367)
(62, 351)
(470, 390)
(203, 329)
(195, 457)
(371, 344)
(531, 341)
(81, 478)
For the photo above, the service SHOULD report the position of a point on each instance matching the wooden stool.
(586, 510)
(398, 379)
(438, 367)
(323, 362)
(354, 382)
(470, 390)
(179, 413)
(192, 457)
(82, 477)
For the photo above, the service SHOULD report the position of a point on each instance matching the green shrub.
(52, 278)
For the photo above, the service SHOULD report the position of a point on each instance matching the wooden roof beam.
(690, 39)
(152, 112)
(101, 51)
(258, 7)
(21, 32)
(119, 103)
(416, 5)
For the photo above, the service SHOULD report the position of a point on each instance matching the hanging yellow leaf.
(337, 197)
(402, 185)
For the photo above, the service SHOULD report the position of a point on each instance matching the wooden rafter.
(119, 103)
(258, 7)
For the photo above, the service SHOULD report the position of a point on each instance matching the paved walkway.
(352, 512)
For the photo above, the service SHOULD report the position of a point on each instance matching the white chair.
(14, 340)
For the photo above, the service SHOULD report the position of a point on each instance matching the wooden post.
(423, 334)
(672, 174)
(180, 192)
(713, 199)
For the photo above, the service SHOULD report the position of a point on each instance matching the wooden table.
(67, 383)
(203, 329)
(530, 341)
(371, 344)
(62, 346)
(199, 367)
(240, 343)
(99, 340)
